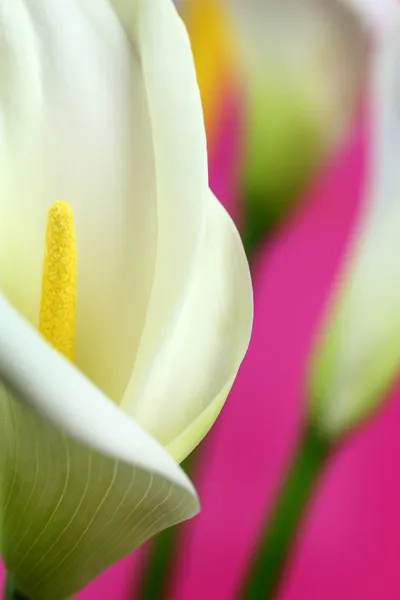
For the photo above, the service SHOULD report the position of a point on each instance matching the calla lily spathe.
(358, 356)
(100, 107)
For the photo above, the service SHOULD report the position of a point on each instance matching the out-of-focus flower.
(213, 49)
(145, 286)
(359, 353)
(374, 13)
(303, 65)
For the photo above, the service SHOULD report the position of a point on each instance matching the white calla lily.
(358, 356)
(100, 108)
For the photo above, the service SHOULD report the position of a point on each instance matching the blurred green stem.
(281, 530)
(11, 593)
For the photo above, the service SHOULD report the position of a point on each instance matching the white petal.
(81, 484)
(74, 126)
(180, 156)
(190, 380)
(385, 119)
(375, 13)
(314, 50)
(359, 353)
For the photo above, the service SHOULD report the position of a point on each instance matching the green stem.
(156, 576)
(265, 574)
(11, 593)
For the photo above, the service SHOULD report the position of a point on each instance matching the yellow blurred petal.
(212, 43)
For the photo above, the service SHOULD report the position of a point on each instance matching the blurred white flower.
(358, 357)
(304, 64)
(375, 13)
